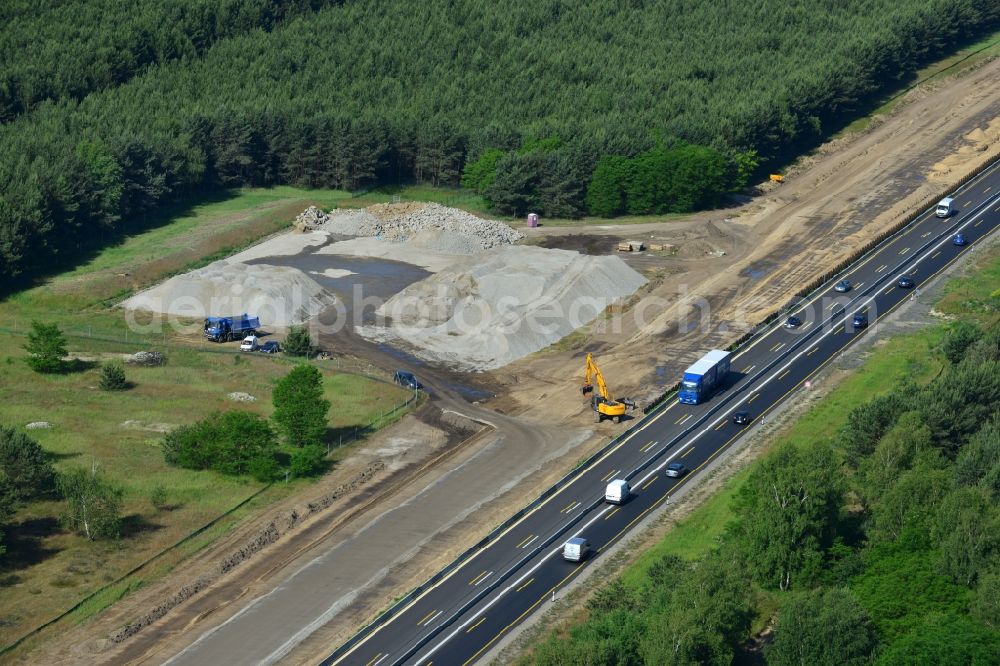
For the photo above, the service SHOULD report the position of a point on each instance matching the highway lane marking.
(525, 585)
(813, 351)
(777, 347)
(571, 507)
(481, 620)
(755, 396)
(904, 250)
(684, 455)
(987, 190)
(483, 578)
(610, 474)
(833, 305)
(977, 224)
(859, 285)
(647, 447)
(933, 256)
(997, 209)
(526, 540)
(475, 579)
(684, 420)
(926, 235)
(785, 373)
(967, 203)
(531, 608)
(377, 659)
(530, 541)
(721, 425)
(888, 291)
(748, 369)
(617, 509)
(881, 268)
(648, 483)
(427, 617)
(627, 438)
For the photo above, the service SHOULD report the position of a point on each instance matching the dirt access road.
(832, 203)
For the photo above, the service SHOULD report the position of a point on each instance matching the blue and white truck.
(704, 377)
(224, 329)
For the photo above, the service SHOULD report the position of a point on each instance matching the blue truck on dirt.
(703, 378)
(224, 329)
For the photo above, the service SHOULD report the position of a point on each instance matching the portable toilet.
(532, 220)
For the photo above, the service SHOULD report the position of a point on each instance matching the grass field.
(46, 570)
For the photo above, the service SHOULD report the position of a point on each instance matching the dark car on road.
(407, 379)
(842, 287)
(793, 322)
(741, 418)
(271, 347)
(959, 240)
(860, 320)
(905, 282)
(676, 470)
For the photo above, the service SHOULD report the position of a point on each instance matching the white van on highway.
(944, 207)
(576, 549)
(617, 492)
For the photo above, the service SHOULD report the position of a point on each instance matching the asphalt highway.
(464, 615)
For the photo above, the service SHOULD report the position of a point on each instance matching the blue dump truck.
(704, 377)
(224, 329)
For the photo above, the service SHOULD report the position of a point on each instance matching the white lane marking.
(530, 541)
(482, 579)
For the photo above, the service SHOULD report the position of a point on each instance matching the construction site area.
(498, 322)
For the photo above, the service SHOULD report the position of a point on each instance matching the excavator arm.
(593, 373)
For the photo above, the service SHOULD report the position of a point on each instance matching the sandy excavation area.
(438, 282)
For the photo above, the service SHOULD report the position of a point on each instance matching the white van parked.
(249, 343)
(617, 492)
(944, 207)
(576, 549)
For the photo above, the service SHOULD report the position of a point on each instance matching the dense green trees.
(241, 94)
(228, 442)
(822, 628)
(299, 406)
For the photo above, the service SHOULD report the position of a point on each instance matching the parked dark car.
(860, 320)
(676, 470)
(271, 347)
(905, 282)
(959, 240)
(407, 379)
(741, 418)
(793, 322)
(842, 287)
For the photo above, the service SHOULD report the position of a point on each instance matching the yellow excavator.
(602, 403)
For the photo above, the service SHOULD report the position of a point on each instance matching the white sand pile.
(488, 310)
(429, 226)
(280, 296)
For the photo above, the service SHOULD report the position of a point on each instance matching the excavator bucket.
(587, 388)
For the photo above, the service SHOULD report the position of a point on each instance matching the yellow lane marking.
(527, 539)
(755, 396)
(777, 347)
(833, 305)
(611, 513)
(887, 291)
(474, 580)
(977, 223)
(721, 425)
(647, 447)
(987, 190)
(904, 250)
(481, 620)
(427, 617)
(967, 203)
(748, 369)
(997, 209)
(530, 581)
(935, 254)
(685, 454)
(648, 483)
(881, 268)
(926, 235)
(571, 507)
(376, 658)
(609, 475)
(784, 374)
(812, 351)
(685, 419)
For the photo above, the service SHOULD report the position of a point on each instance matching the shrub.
(227, 442)
(298, 342)
(46, 348)
(113, 377)
(93, 504)
(25, 466)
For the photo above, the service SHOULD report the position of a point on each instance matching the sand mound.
(280, 296)
(486, 311)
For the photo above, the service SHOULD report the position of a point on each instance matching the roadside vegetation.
(675, 102)
(869, 534)
(88, 493)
